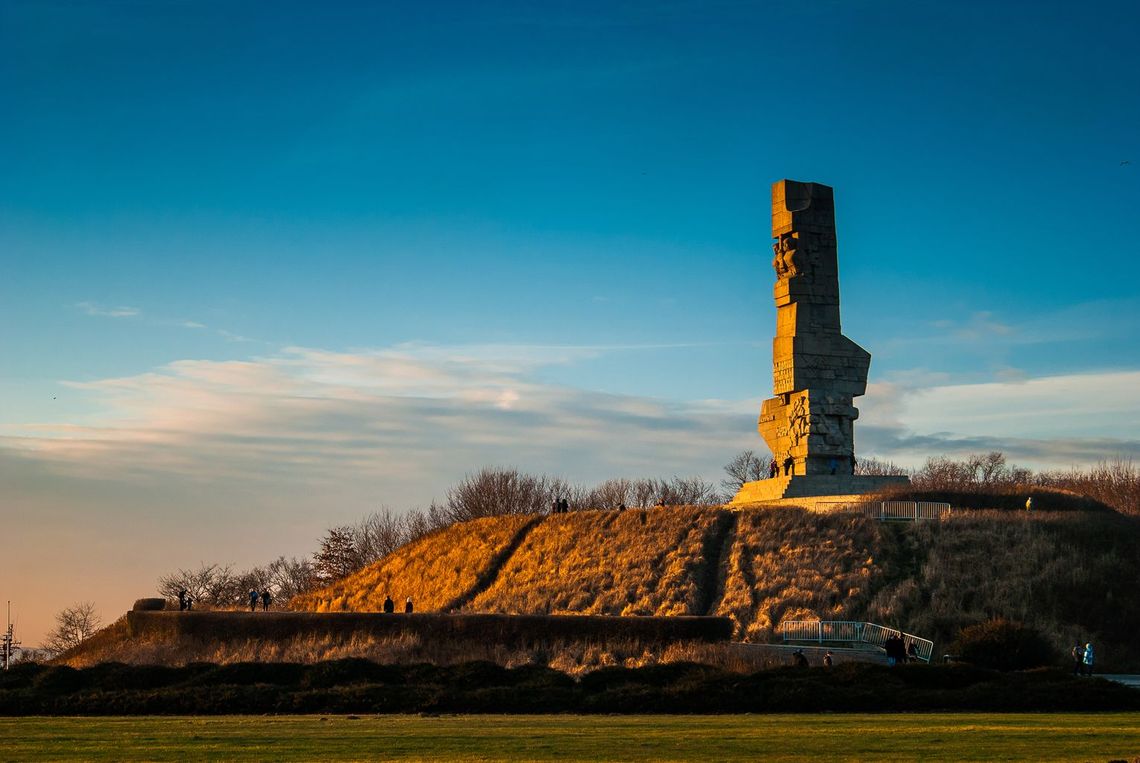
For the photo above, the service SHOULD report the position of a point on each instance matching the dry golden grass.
(634, 562)
(570, 656)
(1072, 576)
(789, 564)
(434, 570)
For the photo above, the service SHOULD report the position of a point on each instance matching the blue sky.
(266, 267)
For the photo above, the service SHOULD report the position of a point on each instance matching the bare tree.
(289, 577)
(211, 585)
(73, 626)
(379, 534)
(746, 466)
(338, 556)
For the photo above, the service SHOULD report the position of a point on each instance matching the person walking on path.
(408, 606)
(266, 599)
(1090, 659)
(389, 605)
(1029, 503)
(1078, 655)
(252, 600)
(182, 600)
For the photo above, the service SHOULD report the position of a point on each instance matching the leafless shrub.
(498, 492)
(746, 466)
(1115, 483)
(987, 471)
(873, 467)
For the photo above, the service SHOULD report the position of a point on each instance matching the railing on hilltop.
(908, 511)
(853, 632)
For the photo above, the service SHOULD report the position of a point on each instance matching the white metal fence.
(853, 632)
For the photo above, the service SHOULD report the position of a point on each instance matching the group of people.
(789, 465)
(185, 603)
(390, 606)
(1083, 659)
(264, 597)
(800, 660)
(560, 506)
(898, 651)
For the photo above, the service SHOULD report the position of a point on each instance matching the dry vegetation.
(1072, 576)
(789, 564)
(634, 562)
(434, 570)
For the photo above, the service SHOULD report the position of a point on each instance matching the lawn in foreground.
(943, 736)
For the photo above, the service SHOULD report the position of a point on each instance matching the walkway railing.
(910, 511)
(849, 631)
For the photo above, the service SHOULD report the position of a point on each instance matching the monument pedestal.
(811, 485)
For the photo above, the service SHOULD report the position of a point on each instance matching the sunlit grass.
(930, 737)
(636, 562)
(433, 570)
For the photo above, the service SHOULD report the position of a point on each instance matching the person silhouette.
(408, 606)
(266, 599)
(252, 600)
(389, 605)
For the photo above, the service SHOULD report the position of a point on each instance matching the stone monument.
(816, 371)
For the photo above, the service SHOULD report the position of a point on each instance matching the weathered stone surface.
(816, 371)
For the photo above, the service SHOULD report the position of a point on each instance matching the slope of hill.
(1070, 574)
(636, 562)
(437, 571)
(787, 564)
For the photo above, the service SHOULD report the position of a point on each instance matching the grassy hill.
(1070, 574)
(437, 571)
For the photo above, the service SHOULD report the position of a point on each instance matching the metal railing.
(910, 511)
(853, 632)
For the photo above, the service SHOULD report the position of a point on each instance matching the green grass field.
(957, 737)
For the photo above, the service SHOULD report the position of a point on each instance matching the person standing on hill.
(252, 600)
(266, 599)
(408, 606)
(1078, 655)
(773, 468)
(1029, 503)
(389, 605)
(182, 600)
(1090, 659)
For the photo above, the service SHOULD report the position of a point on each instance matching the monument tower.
(816, 371)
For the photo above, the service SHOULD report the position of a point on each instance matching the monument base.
(804, 486)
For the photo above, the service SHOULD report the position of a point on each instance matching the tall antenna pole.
(9, 641)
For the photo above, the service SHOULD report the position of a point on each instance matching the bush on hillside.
(1003, 644)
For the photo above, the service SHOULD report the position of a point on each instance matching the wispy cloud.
(91, 308)
(409, 414)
